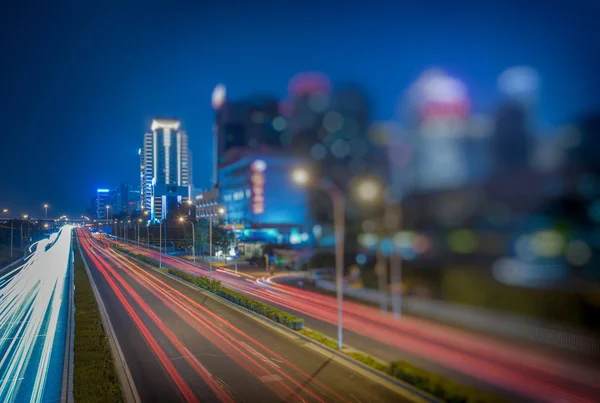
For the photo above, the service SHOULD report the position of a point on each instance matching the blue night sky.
(80, 84)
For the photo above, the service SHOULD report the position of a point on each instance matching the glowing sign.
(103, 190)
(258, 186)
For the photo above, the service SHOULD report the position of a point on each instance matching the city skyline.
(123, 106)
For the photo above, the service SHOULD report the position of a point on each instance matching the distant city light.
(300, 176)
(103, 190)
(368, 190)
(437, 94)
(218, 96)
(520, 82)
(259, 166)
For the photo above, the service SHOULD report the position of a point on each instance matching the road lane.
(34, 312)
(218, 352)
(465, 356)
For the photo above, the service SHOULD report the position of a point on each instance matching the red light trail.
(497, 363)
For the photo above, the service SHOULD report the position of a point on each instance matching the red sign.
(258, 186)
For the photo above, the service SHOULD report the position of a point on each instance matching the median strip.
(95, 376)
(215, 286)
(440, 387)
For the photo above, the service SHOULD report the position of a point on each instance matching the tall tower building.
(243, 126)
(165, 164)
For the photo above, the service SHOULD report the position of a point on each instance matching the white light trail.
(31, 297)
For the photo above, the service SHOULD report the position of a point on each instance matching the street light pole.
(339, 213)
(193, 241)
(160, 245)
(394, 218)
(46, 210)
(210, 246)
(193, 238)
(302, 177)
(138, 231)
(12, 227)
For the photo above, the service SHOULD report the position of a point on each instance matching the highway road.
(183, 345)
(471, 358)
(34, 311)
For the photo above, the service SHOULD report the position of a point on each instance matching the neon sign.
(257, 179)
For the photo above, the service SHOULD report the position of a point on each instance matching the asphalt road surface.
(182, 345)
(513, 371)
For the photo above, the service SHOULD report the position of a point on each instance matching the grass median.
(95, 377)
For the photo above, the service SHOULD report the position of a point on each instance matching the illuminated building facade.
(165, 168)
(207, 204)
(243, 125)
(104, 198)
(260, 201)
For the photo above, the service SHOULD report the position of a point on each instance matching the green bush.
(320, 337)
(370, 361)
(445, 389)
(182, 275)
(215, 286)
(208, 284)
(286, 319)
(426, 381)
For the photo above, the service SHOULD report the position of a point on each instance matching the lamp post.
(46, 210)
(302, 177)
(138, 231)
(25, 216)
(147, 230)
(189, 203)
(367, 190)
(220, 210)
(107, 211)
(160, 245)
(181, 219)
(12, 228)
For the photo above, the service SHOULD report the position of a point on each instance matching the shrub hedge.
(443, 388)
(215, 286)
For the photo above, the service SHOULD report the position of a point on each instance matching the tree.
(222, 238)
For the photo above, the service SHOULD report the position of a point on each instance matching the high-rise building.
(165, 167)
(105, 201)
(127, 198)
(248, 124)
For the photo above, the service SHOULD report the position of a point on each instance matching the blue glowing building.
(260, 201)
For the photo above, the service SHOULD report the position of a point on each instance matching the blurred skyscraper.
(244, 126)
(105, 201)
(127, 198)
(165, 170)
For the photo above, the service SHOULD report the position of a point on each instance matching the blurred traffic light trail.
(194, 346)
(518, 370)
(34, 303)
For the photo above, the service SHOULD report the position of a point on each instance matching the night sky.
(80, 84)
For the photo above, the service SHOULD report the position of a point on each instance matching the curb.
(384, 378)
(129, 390)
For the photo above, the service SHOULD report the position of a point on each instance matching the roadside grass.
(95, 377)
